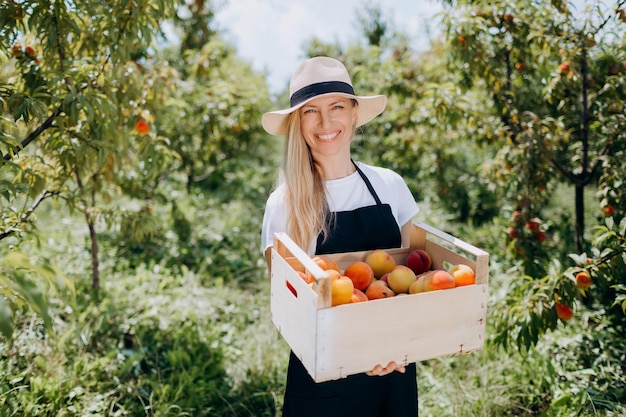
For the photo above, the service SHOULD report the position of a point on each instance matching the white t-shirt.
(346, 194)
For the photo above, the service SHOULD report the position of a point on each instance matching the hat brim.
(275, 122)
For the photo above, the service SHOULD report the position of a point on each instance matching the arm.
(268, 258)
(405, 231)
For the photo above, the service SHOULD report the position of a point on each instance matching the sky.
(270, 34)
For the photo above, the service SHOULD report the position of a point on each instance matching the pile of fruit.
(380, 276)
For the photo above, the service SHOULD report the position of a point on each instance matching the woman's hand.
(380, 371)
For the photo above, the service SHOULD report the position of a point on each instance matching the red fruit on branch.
(142, 127)
(564, 312)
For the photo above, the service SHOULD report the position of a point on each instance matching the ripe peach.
(385, 278)
(419, 261)
(439, 279)
(358, 296)
(380, 261)
(418, 285)
(608, 210)
(378, 289)
(462, 275)
(341, 290)
(533, 225)
(361, 274)
(400, 279)
(325, 263)
(307, 278)
(583, 280)
(564, 312)
(142, 127)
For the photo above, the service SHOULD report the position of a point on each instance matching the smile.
(329, 136)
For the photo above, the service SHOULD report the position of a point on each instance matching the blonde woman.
(328, 203)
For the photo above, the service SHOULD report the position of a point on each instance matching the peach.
(400, 279)
(378, 289)
(358, 296)
(361, 274)
(583, 280)
(380, 261)
(306, 277)
(341, 290)
(419, 261)
(418, 285)
(438, 279)
(463, 275)
(564, 312)
(325, 263)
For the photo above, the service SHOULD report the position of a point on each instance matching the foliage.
(91, 106)
(154, 344)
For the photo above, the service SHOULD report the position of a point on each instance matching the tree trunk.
(95, 263)
(580, 217)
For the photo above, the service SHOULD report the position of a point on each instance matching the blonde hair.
(305, 197)
(308, 214)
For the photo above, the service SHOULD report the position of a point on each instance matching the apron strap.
(367, 183)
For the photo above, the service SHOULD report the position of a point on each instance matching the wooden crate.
(334, 342)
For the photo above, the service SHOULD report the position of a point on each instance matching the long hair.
(307, 208)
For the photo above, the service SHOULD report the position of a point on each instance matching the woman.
(327, 203)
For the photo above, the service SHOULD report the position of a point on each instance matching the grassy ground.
(167, 339)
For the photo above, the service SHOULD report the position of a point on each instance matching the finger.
(376, 371)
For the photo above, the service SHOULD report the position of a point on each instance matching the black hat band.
(316, 89)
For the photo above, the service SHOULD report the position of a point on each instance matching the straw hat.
(321, 76)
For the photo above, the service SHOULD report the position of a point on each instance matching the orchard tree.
(99, 108)
(553, 80)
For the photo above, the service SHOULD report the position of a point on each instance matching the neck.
(336, 168)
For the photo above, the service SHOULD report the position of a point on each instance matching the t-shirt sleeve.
(274, 218)
(407, 207)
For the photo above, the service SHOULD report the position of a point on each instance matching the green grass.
(165, 338)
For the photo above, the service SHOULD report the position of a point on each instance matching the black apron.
(392, 395)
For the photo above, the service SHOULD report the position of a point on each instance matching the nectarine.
(419, 261)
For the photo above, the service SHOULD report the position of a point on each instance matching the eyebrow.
(332, 103)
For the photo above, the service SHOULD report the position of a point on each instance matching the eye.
(308, 110)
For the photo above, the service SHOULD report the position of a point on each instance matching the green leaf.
(6, 318)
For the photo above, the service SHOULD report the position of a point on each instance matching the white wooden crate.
(334, 342)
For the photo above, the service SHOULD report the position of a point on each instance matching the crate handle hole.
(291, 289)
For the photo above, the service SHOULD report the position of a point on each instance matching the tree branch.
(24, 217)
(34, 134)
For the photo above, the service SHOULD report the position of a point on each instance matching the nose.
(324, 119)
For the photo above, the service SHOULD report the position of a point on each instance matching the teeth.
(329, 136)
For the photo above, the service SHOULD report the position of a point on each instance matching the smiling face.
(327, 125)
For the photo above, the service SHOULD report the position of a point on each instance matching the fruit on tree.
(564, 312)
(583, 280)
